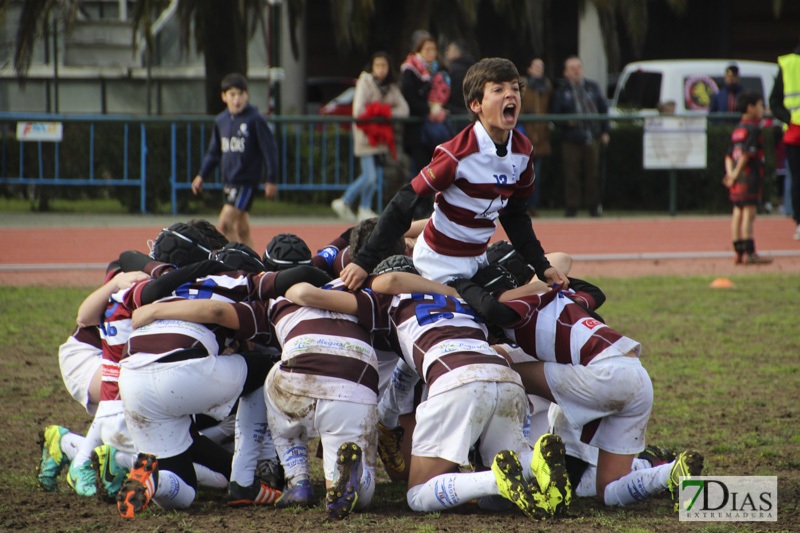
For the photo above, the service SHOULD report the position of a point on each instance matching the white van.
(690, 83)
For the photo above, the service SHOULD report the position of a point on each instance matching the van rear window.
(641, 90)
(748, 83)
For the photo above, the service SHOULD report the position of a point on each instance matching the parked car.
(322, 90)
(341, 106)
(690, 83)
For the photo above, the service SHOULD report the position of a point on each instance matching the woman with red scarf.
(426, 88)
(377, 96)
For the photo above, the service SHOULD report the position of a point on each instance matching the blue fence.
(41, 175)
(315, 154)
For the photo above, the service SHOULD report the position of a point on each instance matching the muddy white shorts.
(113, 428)
(607, 403)
(293, 419)
(442, 268)
(79, 362)
(159, 399)
(449, 423)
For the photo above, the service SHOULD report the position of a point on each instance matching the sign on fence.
(40, 131)
(675, 142)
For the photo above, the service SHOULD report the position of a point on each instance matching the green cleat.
(513, 486)
(109, 475)
(551, 473)
(53, 459)
(688, 464)
(81, 479)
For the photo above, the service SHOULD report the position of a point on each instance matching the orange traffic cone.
(721, 283)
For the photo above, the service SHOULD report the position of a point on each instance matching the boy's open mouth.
(510, 111)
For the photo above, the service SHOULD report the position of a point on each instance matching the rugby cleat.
(551, 473)
(256, 494)
(109, 475)
(53, 459)
(343, 494)
(656, 455)
(391, 453)
(688, 464)
(513, 486)
(270, 472)
(301, 494)
(139, 488)
(81, 479)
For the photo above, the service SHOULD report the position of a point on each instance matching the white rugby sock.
(268, 450)
(366, 488)
(449, 490)
(641, 464)
(94, 438)
(587, 487)
(172, 492)
(637, 486)
(208, 478)
(295, 463)
(71, 443)
(404, 378)
(125, 459)
(251, 424)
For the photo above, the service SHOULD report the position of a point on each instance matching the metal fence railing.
(157, 157)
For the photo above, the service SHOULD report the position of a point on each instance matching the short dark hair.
(747, 98)
(490, 69)
(361, 233)
(234, 80)
(734, 68)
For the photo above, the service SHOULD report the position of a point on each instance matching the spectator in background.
(580, 139)
(785, 105)
(536, 101)
(458, 62)
(744, 176)
(426, 88)
(243, 145)
(725, 99)
(377, 95)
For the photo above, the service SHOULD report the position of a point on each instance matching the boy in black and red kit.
(244, 143)
(744, 174)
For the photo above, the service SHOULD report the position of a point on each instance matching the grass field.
(724, 366)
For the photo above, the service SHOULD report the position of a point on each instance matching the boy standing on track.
(244, 143)
(483, 174)
(744, 174)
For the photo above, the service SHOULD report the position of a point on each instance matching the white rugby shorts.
(79, 363)
(293, 419)
(616, 391)
(159, 399)
(442, 268)
(449, 423)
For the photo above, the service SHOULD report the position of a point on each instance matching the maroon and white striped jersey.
(333, 258)
(326, 355)
(115, 330)
(438, 335)
(553, 328)
(162, 337)
(472, 186)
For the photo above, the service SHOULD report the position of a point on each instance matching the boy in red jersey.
(744, 174)
(483, 174)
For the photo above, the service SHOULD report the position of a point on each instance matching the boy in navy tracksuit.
(242, 140)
